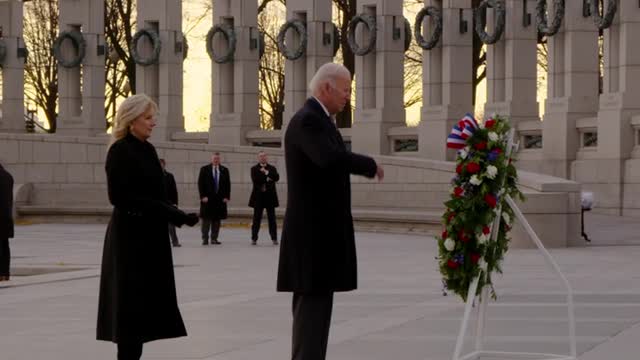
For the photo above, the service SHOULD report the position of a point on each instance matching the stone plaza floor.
(232, 311)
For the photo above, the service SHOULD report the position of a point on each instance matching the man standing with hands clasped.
(318, 252)
(214, 185)
(263, 196)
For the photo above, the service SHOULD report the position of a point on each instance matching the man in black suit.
(318, 253)
(172, 195)
(6, 222)
(214, 185)
(264, 196)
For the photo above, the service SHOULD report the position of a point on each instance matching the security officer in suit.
(214, 185)
(264, 197)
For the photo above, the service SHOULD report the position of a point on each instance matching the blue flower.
(492, 156)
(459, 259)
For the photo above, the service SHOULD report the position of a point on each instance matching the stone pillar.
(298, 73)
(163, 81)
(572, 88)
(81, 89)
(618, 104)
(380, 80)
(12, 106)
(446, 80)
(512, 66)
(234, 105)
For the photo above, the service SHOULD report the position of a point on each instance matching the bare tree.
(271, 72)
(120, 22)
(41, 69)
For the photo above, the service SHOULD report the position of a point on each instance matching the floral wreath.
(473, 242)
(541, 17)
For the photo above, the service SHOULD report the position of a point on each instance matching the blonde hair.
(130, 109)
(328, 73)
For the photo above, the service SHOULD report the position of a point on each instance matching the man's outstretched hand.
(192, 219)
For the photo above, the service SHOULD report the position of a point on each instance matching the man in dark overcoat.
(264, 177)
(214, 185)
(6, 222)
(318, 253)
(172, 195)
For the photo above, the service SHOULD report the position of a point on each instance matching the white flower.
(463, 153)
(501, 192)
(449, 244)
(506, 217)
(492, 171)
(475, 180)
(467, 148)
(481, 125)
(482, 238)
(493, 136)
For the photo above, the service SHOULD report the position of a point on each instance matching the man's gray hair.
(328, 73)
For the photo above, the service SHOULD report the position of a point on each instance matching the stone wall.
(65, 175)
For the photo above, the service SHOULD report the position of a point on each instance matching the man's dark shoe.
(177, 245)
(253, 242)
(275, 242)
(205, 242)
(215, 242)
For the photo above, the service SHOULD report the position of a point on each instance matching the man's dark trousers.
(214, 225)
(311, 322)
(257, 219)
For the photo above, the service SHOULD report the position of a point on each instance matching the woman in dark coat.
(138, 300)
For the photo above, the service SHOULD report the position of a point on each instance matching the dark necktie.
(215, 180)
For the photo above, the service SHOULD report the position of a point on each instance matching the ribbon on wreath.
(461, 132)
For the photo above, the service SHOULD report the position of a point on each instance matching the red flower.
(507, 227)
(452, 264)
(462, 236)
(473, 168)
(451, 216)
(498, 150)
(444, 235)
(486, 230)
(489, 123)
(475, 258)
(459, 169)
(480, 145)
(490, 200)
(458, 191)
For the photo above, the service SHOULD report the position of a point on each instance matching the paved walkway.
(232, 311)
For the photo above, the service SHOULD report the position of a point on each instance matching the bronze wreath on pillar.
(79, 45)
(499, 22)
(230, 35)
(155, 42)
(301, 28)
(3, 51)
(370, 22)
(541, 9)
(603, 22)
(434, 13)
